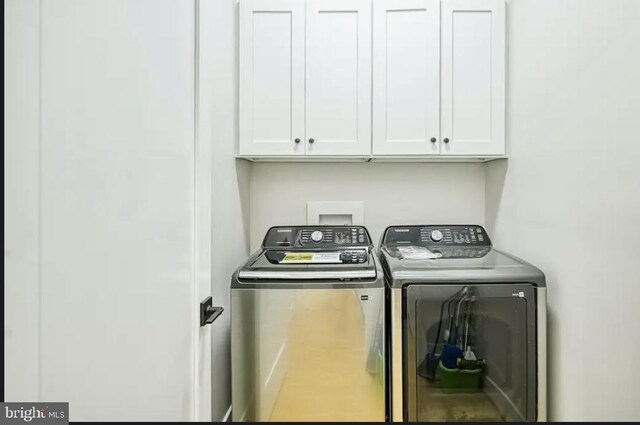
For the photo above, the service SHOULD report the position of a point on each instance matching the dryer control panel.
(451, 241)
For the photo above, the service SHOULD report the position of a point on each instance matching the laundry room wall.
(21, 200)
(567, 199)
(393, 193)
(218, 124)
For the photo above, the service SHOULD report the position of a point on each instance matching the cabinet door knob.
(446, 140)
(433, 140)
(311, 140)
(297, 140)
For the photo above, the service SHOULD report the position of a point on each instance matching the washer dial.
(436, 235)
(317, 236)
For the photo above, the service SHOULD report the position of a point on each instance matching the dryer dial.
(436, 235)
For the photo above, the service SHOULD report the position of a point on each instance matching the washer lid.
(296, 275)
(264, 267)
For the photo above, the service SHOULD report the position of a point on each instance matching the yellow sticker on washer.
(297, 257)
(312, 257)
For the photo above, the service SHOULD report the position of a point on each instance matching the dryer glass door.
(470, 353)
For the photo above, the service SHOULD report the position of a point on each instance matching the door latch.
(209, 313)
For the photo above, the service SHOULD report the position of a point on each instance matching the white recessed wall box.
(335, 213)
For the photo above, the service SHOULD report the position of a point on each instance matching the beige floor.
(326, 377)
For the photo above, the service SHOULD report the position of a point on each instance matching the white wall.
(21, 200)
(568, 199)
(392, 193)
(230, 182)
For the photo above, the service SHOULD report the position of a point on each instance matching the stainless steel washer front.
(307, 339)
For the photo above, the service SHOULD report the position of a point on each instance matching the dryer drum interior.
(483, 360)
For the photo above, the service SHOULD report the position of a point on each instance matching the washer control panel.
(345, 256)
(353, 256)
(317, 245)
(317, 237)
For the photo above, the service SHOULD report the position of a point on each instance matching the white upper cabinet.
(473, 77)
(406, 77)
(271, 77)
(372, 78)
(338, 77)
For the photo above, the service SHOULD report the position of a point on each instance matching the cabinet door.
(473, 77)
(406, 77)
(271, 77)
(338, 96)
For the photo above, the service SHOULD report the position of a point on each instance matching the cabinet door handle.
(311, 140)
(433, 140)
(446, 140)
(297, 140)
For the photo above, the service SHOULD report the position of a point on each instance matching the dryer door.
(470, 352)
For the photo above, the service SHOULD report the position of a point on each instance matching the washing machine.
(307, 328)
(467, 327)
